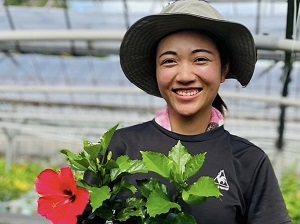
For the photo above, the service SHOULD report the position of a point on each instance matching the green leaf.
(147, 186)
(93, 162)
(158, 203)
(77, 162)
(126, 213)
(132, 207)
(157, 162)
(194, 164)
(137, 166)
(176, 176)
(122, 187)
(83, 184)
(198, 192)
(123, 165)
(98, 196)
(106, 138)
(184, 218)
(105, 212)
(180, 156)
(93, 149)
(111, 164)
(127, 167)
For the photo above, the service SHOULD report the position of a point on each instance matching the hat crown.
(195, 7)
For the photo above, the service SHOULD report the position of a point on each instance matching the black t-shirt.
(242, 171)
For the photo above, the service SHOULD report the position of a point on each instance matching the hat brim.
(140, 41)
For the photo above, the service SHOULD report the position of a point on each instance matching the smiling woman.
(183, 54)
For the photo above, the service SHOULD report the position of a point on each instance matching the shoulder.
(242, 147)
(250, 161)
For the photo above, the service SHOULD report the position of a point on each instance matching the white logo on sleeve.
(221, 181)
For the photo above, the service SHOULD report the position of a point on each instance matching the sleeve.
(265, 201)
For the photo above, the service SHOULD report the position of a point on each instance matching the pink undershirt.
(216, 119)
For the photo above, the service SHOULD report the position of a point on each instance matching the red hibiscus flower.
(61, 201)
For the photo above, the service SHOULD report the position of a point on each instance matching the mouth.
(187, 92)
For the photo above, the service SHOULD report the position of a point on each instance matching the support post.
(292, 15)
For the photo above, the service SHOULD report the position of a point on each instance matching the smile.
(187, 92)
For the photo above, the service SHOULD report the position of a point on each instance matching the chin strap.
(216, 119)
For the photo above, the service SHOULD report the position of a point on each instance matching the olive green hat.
(138, 47)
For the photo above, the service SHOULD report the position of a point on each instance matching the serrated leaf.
(147, 186)
(134, 202)
(123, 165)
(106, 138)
(83, 184)
(105, 212)
(180, 156)
(176, 176)
(129, 212)
(157, 162)
(184, 218)
(77, 162)
(137, 166)
(98, 196)
(159, 203)
(133, 207)
(93, 149)
(194, 164)
(123, 162)
(93, 163)
(199, 191)
(127, 167)
(122, 187)
(111, 164)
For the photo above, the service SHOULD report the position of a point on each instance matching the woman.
(184, 54)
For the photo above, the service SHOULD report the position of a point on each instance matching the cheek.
(210, 76)
(163, 77)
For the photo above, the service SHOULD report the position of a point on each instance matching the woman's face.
(189, 73)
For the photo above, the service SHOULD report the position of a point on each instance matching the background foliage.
(290, 187)
(18, 180)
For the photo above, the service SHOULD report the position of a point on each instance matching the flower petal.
(47, 205)
(69, 219)
(62, 214)
(82, 199)
(67, 179)
(48, 183)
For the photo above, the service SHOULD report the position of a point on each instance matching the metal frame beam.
(292, 15)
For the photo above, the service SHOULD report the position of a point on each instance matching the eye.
(168, 61)
(201, 60)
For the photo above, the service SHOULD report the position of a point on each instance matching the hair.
(218, 102)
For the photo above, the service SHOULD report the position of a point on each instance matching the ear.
(225, 71)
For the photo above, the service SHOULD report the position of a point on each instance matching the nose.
(185, 74)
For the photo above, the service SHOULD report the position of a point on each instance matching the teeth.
(187, 92)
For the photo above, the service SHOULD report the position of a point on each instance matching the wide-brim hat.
(138, 47)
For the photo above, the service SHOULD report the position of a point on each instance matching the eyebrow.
(168, 52)
(201, 50)
(193, 52)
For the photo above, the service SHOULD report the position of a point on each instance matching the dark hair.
(219, 104)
